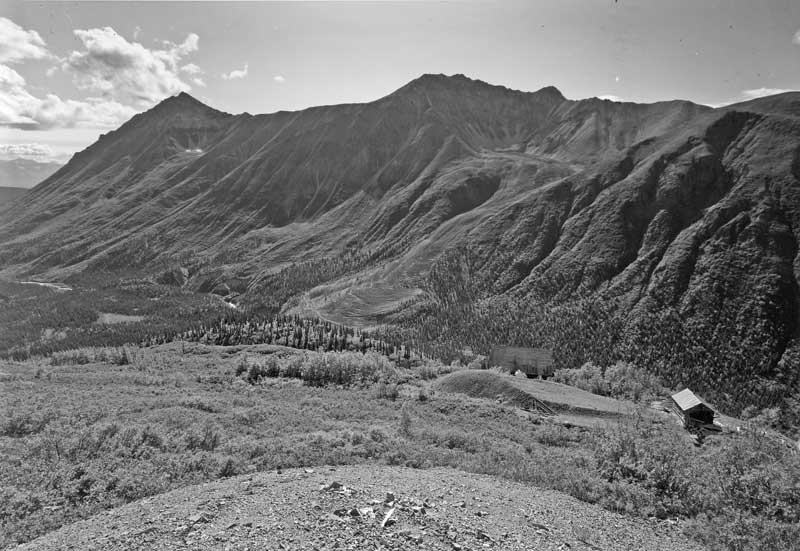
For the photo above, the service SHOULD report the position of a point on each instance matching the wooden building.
(534, 362)
(693, 411)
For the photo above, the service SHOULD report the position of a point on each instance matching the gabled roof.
(686, 400)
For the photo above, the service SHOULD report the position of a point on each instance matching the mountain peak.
(552, 92)
(183, 99)
(460, 82)
(436, 81)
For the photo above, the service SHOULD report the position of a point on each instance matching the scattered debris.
(338, 488)
(198, 518)
(366, 512)
(388, 520)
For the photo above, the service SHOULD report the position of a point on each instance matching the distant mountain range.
(8, 194)
(24, 173)
(665, 205)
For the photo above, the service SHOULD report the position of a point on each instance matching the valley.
(662, 213)
(255, 300)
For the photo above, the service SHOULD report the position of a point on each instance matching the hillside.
(8, 194)
(683, 219)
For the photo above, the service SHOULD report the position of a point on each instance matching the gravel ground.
(364, 507)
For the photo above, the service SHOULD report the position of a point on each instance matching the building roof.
(522, 355)
(686, 400)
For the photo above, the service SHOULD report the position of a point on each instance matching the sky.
(72, 70)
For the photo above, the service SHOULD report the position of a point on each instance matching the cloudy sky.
(72, 70)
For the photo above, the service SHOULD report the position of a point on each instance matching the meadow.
(38, 321)
(92, 429)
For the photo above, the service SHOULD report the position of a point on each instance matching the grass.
(78, 438)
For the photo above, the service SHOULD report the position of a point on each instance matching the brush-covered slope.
(663, 207)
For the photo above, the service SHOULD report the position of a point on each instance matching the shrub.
(423, 395)
(242, 367)
(106, 354)
(228, 468)
(323, 368)
(19, 425)
(587, 377)
(621, 380)
(625, 380)
(207, 440)
(254, 373)
(428, 372)
(388, 391)
(405, 420)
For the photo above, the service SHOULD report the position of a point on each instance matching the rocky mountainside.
(396, 167)
(668, 207)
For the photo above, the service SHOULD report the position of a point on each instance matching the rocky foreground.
(364, 507)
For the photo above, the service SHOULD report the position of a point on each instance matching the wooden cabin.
(692, 410)
(534, 362)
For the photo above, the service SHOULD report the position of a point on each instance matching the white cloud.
(747, 95)
(136, 32)
(610, 97)
(123, 77)
(238, 73)
(279, 79)
(796, 38)
(195, 73)
(128, 72)
(92, 113)
(191, 69)
(32, 151)
(17, 44)
(191, 44)
(19, 108)
(761, 92)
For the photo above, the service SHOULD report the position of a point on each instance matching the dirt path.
(440, 509)
(573, 400)
(55, 286)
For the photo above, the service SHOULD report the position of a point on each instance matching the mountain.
(666, 208)
(24, 173)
